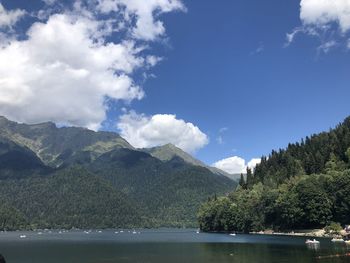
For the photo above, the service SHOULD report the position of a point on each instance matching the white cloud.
(148, 131)
(232, 165)
(326, 20)
(235, 164)
(310, 31)
(9, 18)
(49, 2)
(322, 12)
(253, 162)
(220, 139)
(67, 67)
(147, 26)
(63, 72)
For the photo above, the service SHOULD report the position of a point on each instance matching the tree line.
(306, 185)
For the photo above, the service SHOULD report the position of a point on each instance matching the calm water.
(162, 246)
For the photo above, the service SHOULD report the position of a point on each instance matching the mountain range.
(69, 177)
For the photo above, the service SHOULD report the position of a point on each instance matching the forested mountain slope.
(306, 185)
(72, 177)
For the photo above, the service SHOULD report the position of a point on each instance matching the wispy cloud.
(219, 138)
(258, 50)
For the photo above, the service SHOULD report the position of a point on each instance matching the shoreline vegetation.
(305, 186)
(303, 233)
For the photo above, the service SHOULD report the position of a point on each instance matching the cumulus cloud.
(67, 67)
(324, 19)
(62, 72)
(322, 12)
(253, 163)
(147, 26)
(236, 165)
(148, 131)
(9, 18)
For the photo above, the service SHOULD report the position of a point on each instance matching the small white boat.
(134, 232)
(40, 233)
(314, 241)
(22, 236)
(337, 240)
(197, 232)
(233, 234)
(116, 232)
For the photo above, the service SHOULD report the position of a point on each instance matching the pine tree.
(242, 182)
(250, 178)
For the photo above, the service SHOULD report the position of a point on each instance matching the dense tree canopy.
(306, 185)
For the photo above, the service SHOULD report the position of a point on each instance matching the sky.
(226, 81)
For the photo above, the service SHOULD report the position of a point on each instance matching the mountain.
(305, 186)
(17, 161)
(73, 177)
(54, 145)
(69, 198)
(169, 151)
(169, 190)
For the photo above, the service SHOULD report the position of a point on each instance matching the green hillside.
(69, 198)
(170, 191)
(306, 185)
(72, 177)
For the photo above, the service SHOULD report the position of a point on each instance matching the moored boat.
(312, 241)
(337, 240)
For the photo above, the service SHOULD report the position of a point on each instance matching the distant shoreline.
(301, 233)
(295, 233)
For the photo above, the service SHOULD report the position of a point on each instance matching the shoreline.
(302, 233)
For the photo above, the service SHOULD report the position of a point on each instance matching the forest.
(305, 186)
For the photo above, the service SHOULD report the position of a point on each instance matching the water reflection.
(158, 246)
(313, 246)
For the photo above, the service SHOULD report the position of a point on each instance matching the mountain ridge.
(67, 163)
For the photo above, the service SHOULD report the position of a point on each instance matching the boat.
(22, 236)
(233, 234)
(134, 232)
(337, 240)
(313, 242)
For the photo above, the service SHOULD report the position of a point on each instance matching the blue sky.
(224, 66)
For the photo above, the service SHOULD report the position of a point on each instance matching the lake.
(162, 245)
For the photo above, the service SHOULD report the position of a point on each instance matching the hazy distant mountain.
(74, 177)
(169, 151)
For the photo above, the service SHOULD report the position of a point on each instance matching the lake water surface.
(165, 245)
